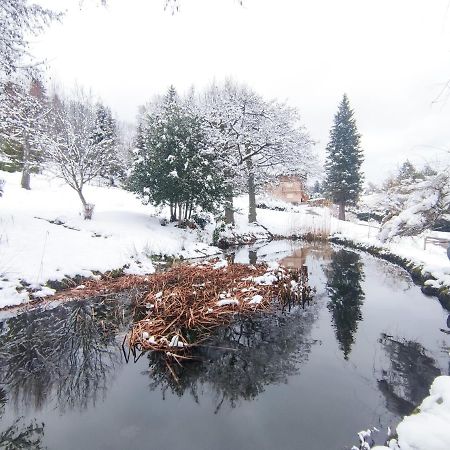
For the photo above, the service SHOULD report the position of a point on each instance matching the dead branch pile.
(183, 306)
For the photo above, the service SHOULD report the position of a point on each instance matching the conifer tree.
(105, 133)
(344, 158)
(174, 162)
(24, 116)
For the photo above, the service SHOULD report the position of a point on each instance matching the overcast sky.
(392, 58)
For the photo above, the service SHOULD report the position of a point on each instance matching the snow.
(222, 264)
(226, 302)
(256, 300)
(429, 429)
(123, 232)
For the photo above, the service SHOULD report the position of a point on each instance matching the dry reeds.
(178, 309)
(184, 305)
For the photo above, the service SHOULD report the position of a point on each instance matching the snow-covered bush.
(2, 184)
(417, 206)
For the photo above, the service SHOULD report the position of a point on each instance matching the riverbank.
(427, 428)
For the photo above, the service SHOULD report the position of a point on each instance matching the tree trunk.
(83, 200)
(342, 211)
(229, 210)
(252, 257)
(88, 209)
(25, 181)
(179, 212)
(251, 193)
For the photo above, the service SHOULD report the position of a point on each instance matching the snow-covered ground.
(123, 232)
(429, 428)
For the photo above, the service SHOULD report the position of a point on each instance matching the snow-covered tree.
(416, 205)
(106, 132)
(174, 162)
(24, 115)
(344, 158)
(20, 20)
(78, 157)
(255, 139)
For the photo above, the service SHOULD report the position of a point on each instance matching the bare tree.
(79, 155)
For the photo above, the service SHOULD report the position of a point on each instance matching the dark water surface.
(363, 354)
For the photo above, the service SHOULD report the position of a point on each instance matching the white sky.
(392, 58)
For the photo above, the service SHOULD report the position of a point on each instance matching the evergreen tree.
(105, 133)
(343, 166)
(174, 162)
(407, 171)
(24, 125)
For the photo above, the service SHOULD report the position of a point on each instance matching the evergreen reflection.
(240, 361)
(70, 351)
(410, 374)
(344, 276)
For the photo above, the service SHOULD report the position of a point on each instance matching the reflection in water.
(407, 381)
(240, 361)
(296, 260)
(69, 351)
(20, 435)
(65, 358)
(344, 276)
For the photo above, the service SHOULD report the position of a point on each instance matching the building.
(289, 188)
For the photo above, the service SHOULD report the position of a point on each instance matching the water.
(363, 354)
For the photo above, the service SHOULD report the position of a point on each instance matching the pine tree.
(344, 159)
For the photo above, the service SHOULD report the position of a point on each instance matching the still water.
(363, 354)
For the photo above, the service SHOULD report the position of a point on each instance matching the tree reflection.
(18, 435)
(408, 379)
(344, 276)
(70, 351)
(240, 361)
(21, 436)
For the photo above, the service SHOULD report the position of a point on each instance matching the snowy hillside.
(123, 232)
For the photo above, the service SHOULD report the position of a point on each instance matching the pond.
(362, 354)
